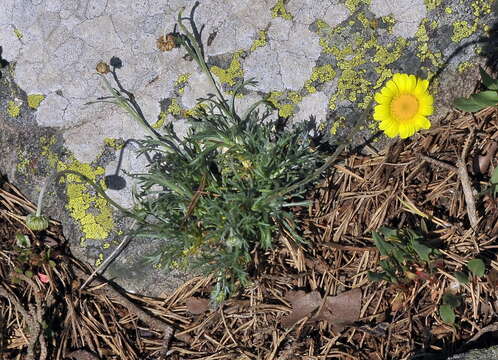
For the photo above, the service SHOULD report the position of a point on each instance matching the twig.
(439, 163)
(484, 330)
(151, 321)
(114, 254)
(467, 193)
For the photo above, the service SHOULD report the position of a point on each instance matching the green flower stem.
(55, 177)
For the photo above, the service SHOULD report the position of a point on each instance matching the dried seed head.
(166, 43)
(102, 68)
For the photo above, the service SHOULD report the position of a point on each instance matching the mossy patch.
(234, 71)
(34, 100)
(462, 29)
(18, 33)
(181, 82)
(116, 144)
(285, 103)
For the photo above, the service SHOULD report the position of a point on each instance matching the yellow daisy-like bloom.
(403, 106)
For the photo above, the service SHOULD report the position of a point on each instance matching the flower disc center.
(404, 107)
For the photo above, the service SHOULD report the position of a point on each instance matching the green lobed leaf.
(423, 251)
(462, 277)
(452, 300)
(477, 267)
(384, 247)
(485, 98)
(447, 314)
(467, 104)
(488, 81)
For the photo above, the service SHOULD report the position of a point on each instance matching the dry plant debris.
(305, 302)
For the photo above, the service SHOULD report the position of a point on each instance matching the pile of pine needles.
(434, 182)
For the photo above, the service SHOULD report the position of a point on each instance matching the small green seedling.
(405, 256)
(483, 99)
(447, 309)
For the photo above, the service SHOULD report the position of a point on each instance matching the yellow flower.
(403, 106)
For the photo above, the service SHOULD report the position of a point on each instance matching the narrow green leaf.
(447, 314)
(488, 81)
(477, 267)
(462, 277)
(469, 105)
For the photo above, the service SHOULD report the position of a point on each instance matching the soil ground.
(307, 301)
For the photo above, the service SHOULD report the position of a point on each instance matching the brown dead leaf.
(197, 305)
(493, 279)
(483, 161)
(302, 305)
(341, 310)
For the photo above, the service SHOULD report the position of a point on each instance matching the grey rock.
(54, 45)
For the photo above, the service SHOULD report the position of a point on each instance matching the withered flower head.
(102, 68)
(166, 42)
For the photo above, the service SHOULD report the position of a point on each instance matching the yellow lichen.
(352, 5)
(174, 108)
(320, 74)
(279, 10)
(34, 100)
(432, 4)
(336, 125)
(181, 82)
(13, 109)
(448, 10)
(91, 212)
(464, 66)
(260, 41)
(462, 29)
(281, 102)
(18, 33)
(116, 144)
(229, 75)
(160, 122)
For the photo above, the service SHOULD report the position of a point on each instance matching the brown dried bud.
(166, 43)
(102, 68)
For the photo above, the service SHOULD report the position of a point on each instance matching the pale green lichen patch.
(234, 71)
(261, 41)
(320, 75)
(34, 100)
(279, 10)
(90, 211)
(13, 108)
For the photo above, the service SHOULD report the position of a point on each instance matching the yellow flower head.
(403, 106)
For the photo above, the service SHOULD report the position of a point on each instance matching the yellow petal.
(422, 122)
(406, 129)
(381, 112)
(411, 83)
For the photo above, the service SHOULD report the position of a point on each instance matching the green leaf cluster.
(402, 251)
(483, 99)
(447, 308)
(223, 191)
